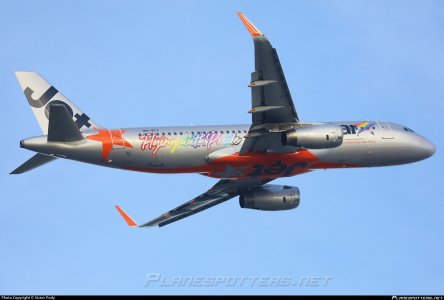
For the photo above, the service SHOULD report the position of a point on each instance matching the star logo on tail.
(110, 138)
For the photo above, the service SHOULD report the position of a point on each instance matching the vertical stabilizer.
(41, 95)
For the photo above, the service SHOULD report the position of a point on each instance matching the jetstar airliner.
(245, 158)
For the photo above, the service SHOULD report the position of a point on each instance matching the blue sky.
(154, 63)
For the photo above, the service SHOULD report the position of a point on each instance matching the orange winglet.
(127, 218)
(250, 27)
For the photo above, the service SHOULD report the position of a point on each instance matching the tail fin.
(61, 127)
(41, 95)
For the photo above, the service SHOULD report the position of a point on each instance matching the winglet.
(126, 217)
(254, 31)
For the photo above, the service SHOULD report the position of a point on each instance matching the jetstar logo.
(365, 126)
(358, 128)
(110, 138)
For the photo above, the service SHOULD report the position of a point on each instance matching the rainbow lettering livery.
(364, 126)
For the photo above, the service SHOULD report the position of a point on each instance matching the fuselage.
(214, 150)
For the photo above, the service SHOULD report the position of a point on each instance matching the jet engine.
(320, 136)
(271, 197)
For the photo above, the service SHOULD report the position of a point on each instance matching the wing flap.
(269, 86)
(186, 211)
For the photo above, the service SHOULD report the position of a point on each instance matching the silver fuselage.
(192, 149)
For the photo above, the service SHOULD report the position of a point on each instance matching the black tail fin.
(61, 126)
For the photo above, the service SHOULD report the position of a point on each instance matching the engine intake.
(321, 136)
(271, 197)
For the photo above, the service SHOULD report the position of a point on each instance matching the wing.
(272, 109)
(220, 192)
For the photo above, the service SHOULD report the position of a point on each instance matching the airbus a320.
(245, 158)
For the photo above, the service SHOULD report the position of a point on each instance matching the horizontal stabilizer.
(61, 126)
(34, 162)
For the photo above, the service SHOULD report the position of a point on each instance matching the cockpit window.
(408, 129)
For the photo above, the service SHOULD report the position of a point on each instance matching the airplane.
(245, 158)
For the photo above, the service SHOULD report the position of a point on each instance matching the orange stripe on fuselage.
(255, 164)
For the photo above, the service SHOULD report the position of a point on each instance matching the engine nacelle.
(271, 197)
(320, 136)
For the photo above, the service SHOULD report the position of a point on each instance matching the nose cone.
(425, 148)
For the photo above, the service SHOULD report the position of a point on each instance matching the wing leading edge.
(223, 190)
